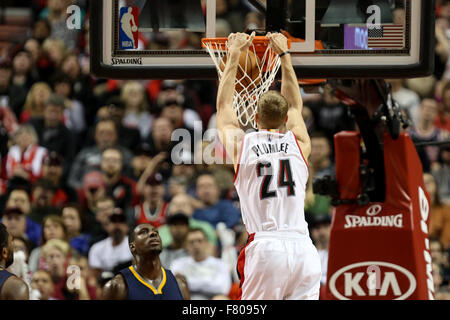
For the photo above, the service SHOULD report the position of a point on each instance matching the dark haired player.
(146, 279)
(11, 287)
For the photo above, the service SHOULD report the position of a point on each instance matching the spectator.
(20, 265)
(153, 166)
(320, 234)
(215, 210)
(81, 86)
(320, 159)
(41, 206)
(98, 220)
(206, 275)
(22, 244)
(408, 100)
(73, 109)
(52, 170)
(85, 287)
(177, 185)
(94, 188)
(35, 102)
(437, 277)
(442, 120)
(41, 30)
(153, 209)
(52, 228)
(315, 204)
(121, 188)
(56, 14)
(160, 141)
(5, 82)
(15, 222)
(19, 198)
(186, 170)
(8, 120)
(89, 158)
(55, 51)
(25, 157)
(137, 113)
(183, 203)
(173, 110)
(56, 253)
(74, 224)
(439, 226)
(114, 110)
(141, 160)
(33, 47)
(42, 282)
(426, 131)
(22, 79)
(437, 253)
(178, 225)
(441, 172)
(330, 114)
(108, 254)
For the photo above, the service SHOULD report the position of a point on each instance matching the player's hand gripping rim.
(240, 41)
(278, 42)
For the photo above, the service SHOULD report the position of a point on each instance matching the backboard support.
(323, 47)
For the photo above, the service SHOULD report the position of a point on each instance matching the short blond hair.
(61, 245)
(134, 85)
(272, 110)
(28, 128)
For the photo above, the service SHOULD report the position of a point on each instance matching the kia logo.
(354, 286)
(374, 210)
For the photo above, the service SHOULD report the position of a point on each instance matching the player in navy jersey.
(146, 279)
(11, 287)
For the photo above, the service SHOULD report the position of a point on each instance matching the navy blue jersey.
(138, 289)
(4, 275)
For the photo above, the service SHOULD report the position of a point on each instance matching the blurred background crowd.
(84, 160)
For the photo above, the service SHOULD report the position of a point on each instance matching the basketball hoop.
(245, 101)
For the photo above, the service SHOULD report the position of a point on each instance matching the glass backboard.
(144, 39)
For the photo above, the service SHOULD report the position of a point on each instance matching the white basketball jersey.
(271, 182)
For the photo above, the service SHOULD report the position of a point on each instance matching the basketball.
(134, 29)
(248, 72)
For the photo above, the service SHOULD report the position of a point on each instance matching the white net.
(248, 88)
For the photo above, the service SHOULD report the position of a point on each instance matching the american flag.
(387, 37)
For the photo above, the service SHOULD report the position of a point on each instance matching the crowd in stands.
(83, 160)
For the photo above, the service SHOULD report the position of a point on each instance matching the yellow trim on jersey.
(161, 286)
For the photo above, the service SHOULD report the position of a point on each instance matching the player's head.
(272, 111)
(6, 247)
(144, 239)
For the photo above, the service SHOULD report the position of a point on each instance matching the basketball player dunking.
(279, 261)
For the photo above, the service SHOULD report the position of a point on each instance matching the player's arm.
(228, 126)
(15, 289)
(291, 91)
(115, 289)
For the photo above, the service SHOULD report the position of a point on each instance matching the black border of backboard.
(423, 68)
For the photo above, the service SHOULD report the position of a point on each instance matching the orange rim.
(312, 82)
(260, 43)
